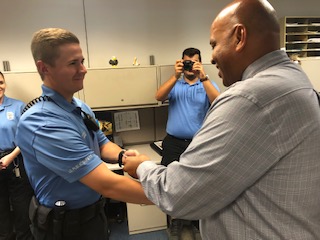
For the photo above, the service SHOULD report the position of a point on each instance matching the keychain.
(16, 169)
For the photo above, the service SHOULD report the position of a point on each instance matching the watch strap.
(204, 79)
(120, 156)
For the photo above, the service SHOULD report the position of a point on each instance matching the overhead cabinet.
(120, 87)
(300, 36)
(24, 86)
(108, 88)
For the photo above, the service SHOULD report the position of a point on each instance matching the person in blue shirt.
(64, 149)
(15, 189)
(190, 94)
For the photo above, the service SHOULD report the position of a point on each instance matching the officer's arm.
(115, 186)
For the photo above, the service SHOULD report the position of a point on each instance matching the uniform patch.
(10, 115)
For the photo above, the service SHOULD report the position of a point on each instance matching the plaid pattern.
(253, 169)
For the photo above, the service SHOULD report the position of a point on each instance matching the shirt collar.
(185, 82)
(6, 103)
(59, 99)
(267, 61)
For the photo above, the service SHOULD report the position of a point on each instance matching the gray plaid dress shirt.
(253, 170)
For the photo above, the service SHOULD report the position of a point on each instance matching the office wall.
(123, 28)
(19, 19)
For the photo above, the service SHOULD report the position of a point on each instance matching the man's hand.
(178, 67)
(132, 152)
(131, 163)
(5, 161)
(197, 66)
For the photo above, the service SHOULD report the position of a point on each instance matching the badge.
(10, 115)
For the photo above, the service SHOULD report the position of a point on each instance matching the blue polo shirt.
(188, 105)
(58, 150)
(10, 112)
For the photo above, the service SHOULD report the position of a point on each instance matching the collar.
(59, 99)
(6, 103)
(182, 79)
(265, 62)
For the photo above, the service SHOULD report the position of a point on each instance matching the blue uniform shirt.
(10, 112)
(188, 105)
(58, 150)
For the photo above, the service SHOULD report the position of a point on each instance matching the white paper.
(125, 121)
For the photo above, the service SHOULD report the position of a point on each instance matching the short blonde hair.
(45, 43)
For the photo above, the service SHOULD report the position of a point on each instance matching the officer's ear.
(42, 67)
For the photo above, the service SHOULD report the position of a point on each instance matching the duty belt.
(180, 139)
(69, 221)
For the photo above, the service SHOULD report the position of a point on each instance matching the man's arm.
(212, 169)
(131, 163)
(115, 186)
(110, 152)
(165, 88)
(6, 160)
(211, 91)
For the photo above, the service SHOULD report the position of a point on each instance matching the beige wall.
(126, 29)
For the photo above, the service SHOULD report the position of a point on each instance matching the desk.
(144, 218)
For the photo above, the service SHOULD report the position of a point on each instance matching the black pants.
(73, 228)
(172, 148)
(15, 193)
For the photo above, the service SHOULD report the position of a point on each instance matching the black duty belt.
(86, 213)
(180, 139)
(43, 217)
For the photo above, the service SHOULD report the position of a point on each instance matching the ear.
(42, 67)
(241, 37)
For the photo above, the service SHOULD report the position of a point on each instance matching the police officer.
(15, 189)
(63, 148)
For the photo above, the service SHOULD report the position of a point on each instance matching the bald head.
(250, 29)
(257, 16)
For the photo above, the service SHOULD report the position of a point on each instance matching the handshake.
(130, 160)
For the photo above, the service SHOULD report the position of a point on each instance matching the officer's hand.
(5, 162)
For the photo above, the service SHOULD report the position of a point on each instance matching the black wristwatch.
(120, 157)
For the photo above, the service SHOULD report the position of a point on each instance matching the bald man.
(253, 169)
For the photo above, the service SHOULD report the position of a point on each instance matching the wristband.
(120, 157)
